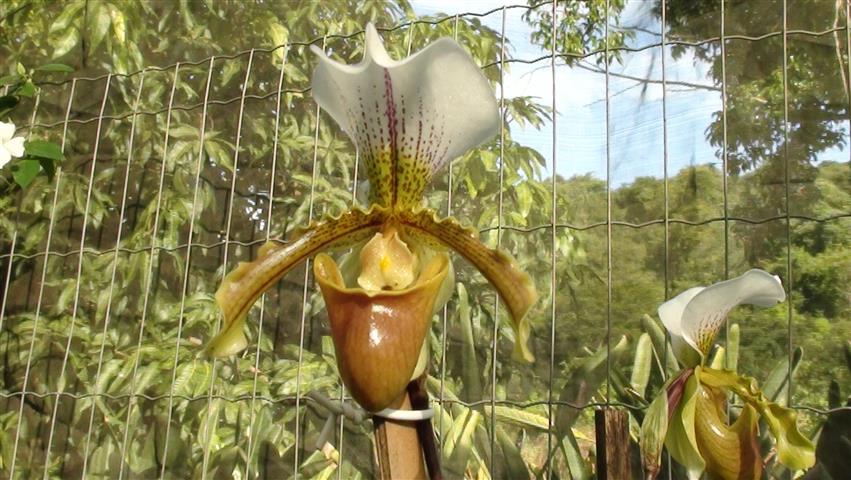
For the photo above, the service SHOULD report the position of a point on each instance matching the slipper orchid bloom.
(408, 119)
(690, 415)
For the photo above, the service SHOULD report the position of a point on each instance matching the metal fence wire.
(110, 271)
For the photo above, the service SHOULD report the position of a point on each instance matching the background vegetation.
(104, 343)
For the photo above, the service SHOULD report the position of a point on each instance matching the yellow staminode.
(386, 262)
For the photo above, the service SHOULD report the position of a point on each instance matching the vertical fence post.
(612, 431)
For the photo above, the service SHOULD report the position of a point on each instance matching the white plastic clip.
(405, 415)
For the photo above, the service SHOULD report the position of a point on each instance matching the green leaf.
(49, 167)
(777, 383)
(681, 439)
(522, 418)
(8, 102)
(472, 384)
(9, 80)
(717, 360)
(834, 395)
(457, 462)
(641, 364)
(230, 70)
(733, 339)
(452, 434)
(43, 149)
(98, 29)
(279, 36)
(25, 172)
(27, 89)
(847, 350)
(584, 381)
(573, 454)
(67, 16)
(515, 466)
(654, 429)
(184, 131)
(55, 68)
(118, 24)
(660, 345)
(834, 442)
(64, 42)
(794, 450)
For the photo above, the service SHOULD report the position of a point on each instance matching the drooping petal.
(514, 286)
(654, 428)
(732, 451)
(707, 311)
(378, 336)
(794, 450)
(682, 440)
(16, 147)
(671, 313)
(408, 118)
(244, 285)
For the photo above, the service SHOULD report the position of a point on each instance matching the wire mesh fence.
(173, 174)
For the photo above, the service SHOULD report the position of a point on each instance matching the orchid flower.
(408, 119)
(10, 145)
(690, 416)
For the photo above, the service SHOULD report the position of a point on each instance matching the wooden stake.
(407, 449)
(419, 400)
(612, 428)
(397, 446)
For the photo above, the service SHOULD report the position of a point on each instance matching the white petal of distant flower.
(410, 117)
(4, 156)
(671, 313)
(7, 130)
(15, 147)
(707, 311)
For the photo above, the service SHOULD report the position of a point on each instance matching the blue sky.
(636, 108)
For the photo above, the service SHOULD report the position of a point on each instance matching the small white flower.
(10, 145)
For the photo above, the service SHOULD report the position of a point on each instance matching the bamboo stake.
(407, 450)
(397, 446)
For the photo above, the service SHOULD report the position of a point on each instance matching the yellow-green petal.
(794, 450)
(732, 451)
(514, 286)
(682, 440)
(244, 285)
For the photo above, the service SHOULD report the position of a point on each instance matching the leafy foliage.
(39, 155)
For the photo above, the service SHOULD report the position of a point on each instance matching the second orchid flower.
(690, 415)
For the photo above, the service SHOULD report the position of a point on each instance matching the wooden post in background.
(612, 432)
